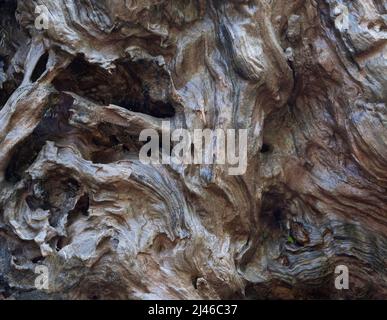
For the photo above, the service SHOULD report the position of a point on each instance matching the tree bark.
(80, 81)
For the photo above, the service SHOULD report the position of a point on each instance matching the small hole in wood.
(266, 148)
(40, 67)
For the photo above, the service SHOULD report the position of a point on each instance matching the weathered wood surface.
(75, 97)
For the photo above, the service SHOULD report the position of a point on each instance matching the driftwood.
(80, 81)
